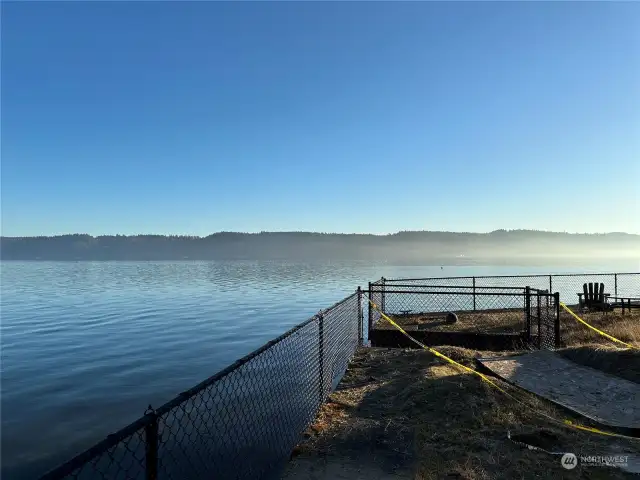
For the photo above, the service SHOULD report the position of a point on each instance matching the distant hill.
(400, 247)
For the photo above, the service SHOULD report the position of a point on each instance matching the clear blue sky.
(191, 118)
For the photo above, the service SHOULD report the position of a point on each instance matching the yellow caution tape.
(435, 352)
(594, 430)
(606, 335)
(564, 422)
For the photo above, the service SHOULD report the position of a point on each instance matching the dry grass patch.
(406, 414)
(625, 327)
(405, 410)
(496, 321)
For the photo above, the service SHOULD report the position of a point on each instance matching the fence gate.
(542, 310)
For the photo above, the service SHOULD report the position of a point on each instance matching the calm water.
(87, 346)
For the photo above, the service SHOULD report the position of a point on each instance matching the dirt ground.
(405, 414)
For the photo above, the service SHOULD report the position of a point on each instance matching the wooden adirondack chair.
(593, 297)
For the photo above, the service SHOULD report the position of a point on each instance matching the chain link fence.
(495, 304)
(567, 285)
(542, 318)
(377, 296)
(485, 310)
(627, 285)
(529, 314)
(439, 298)
(243, 422)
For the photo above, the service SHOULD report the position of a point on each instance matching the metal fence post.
(382, 297)
(556, 298)
(527, 312)
(360, 326)
(151, 446)
(550, 283)
(539, 314)
(474, 293)
(370, 311)
(321, 354)
(615, 283)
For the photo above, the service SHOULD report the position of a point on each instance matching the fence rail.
(492, 304)
(242, 422)
(427, 309)
(567, 285)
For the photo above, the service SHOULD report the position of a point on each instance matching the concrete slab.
(605, 399)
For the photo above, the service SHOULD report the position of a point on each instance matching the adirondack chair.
(593, 297)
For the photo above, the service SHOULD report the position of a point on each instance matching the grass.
(625, 327)
(496, 321)
(406, 412)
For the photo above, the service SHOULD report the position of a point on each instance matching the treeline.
(306, 246)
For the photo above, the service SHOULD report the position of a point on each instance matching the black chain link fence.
(376, 295)
(542, 318)
(440, 298)
(497, 304)
(617, 285)
(530, 313)
(241, 423)
(485, 310)
(627, 285)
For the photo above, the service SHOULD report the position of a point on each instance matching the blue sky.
(191, 118)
